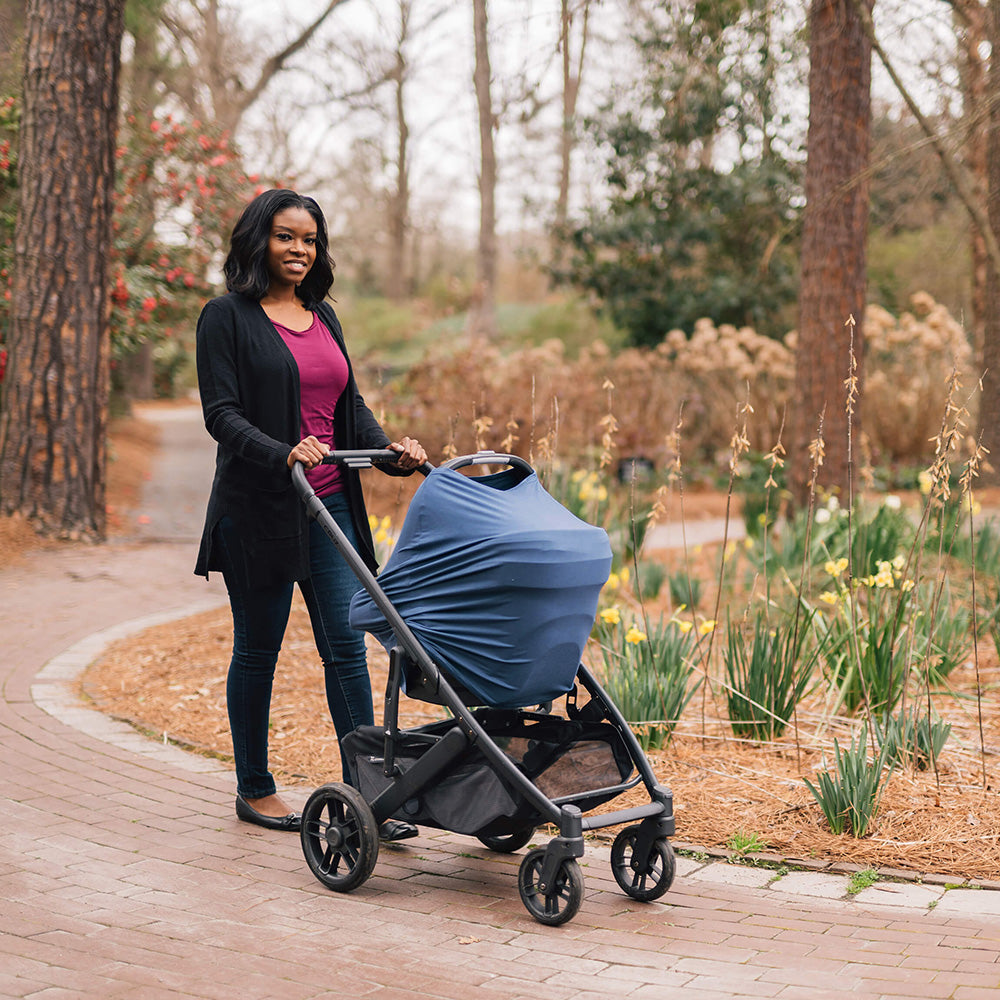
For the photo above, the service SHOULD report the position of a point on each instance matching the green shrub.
(648, 674)
(850, 797)
(909, 737)
(766, 678)
(865, 652)
(650, 577)
(684, 589)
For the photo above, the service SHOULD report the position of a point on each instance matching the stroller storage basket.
(567, 760)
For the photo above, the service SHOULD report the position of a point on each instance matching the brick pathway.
(124, 872)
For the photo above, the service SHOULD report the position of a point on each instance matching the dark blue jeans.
(260, 615)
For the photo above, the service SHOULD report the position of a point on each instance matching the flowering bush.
(648, 672)
(180, 186)
(685, 394)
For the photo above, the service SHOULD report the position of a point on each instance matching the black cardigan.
(249, 386)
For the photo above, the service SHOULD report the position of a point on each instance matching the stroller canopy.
(499, 583)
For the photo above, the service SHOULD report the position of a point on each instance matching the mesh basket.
(563, 758)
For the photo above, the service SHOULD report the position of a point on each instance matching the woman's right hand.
(310, 451)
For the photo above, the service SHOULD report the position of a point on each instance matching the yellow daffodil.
(611, 616)
(835, 566)
(614, 581)
(906, 586)
(623, 573)
(828, 597)
(706, 626)
(635, 636)
(685, 627)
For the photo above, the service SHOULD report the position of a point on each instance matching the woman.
(277, 388)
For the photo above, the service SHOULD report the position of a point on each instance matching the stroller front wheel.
(556, 903)
(339, 837)
(644, 879)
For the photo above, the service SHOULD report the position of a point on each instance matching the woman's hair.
(245, 268)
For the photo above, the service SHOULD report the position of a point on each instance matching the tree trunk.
(989, 406)
(832, 289)
(54, 418)
(399, 205)
(571, 77)
(971, 31)
(482, 317)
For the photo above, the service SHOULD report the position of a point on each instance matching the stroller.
(484, 607)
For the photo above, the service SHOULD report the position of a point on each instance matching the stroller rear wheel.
(557, 903)
(644, 879)
(509, 843)
(339, 837)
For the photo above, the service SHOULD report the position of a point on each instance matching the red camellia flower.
(149, 304)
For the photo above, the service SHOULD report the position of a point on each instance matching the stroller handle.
(360, 458)
(365, 458)
(488, 458)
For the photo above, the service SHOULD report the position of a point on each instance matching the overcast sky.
(523, 35)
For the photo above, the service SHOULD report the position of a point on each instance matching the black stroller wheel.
(339, 837)
(510, 843)
(561, 900)
(644, 879)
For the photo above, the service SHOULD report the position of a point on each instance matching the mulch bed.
(170, 681)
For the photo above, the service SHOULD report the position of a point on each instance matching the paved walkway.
(124, 872)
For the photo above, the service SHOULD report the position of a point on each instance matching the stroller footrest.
(629, 816)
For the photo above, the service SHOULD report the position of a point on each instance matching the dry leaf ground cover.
(169, 681)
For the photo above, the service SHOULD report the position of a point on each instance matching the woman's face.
(291, 248)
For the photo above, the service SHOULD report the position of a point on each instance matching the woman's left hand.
(411, 453)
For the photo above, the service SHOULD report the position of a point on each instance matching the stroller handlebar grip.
(361, 458)
(365, 458)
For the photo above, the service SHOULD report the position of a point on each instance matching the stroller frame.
(339, 826)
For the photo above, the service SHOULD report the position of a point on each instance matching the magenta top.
(322, 378)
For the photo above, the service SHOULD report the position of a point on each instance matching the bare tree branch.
(955, 171)
(277, 61)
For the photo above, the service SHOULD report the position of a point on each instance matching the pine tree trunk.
(989, 406)
(834, 234)
(54, 418)
(972, 33)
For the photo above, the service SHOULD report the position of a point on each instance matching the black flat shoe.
(247, 813)
(396, 829)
